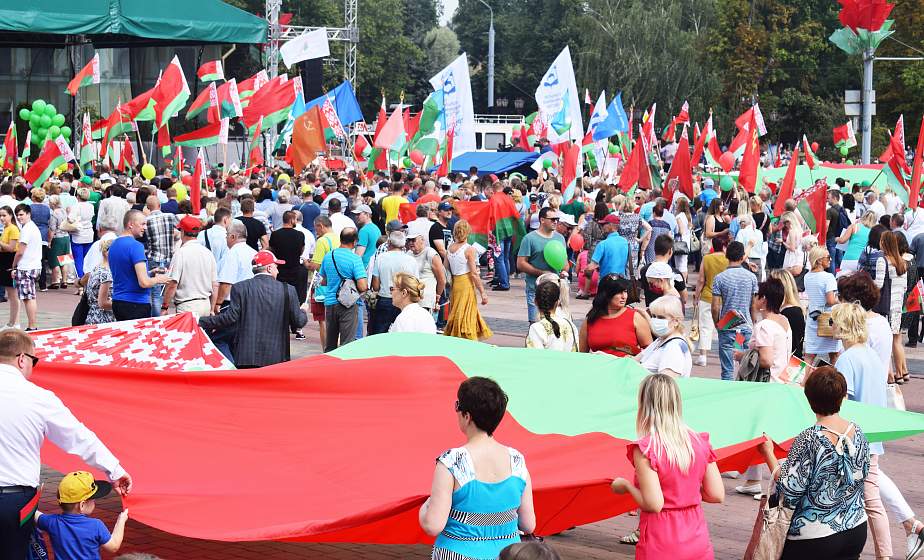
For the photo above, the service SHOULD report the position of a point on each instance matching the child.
(74, 535)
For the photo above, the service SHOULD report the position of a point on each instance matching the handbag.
(825, 325)
(681, 247)
(696, 243)
(885, 294)
(69, 226)
(694, 328)
(800, 278)
(894, 397)
(749, 368)
(347, 293)
(81, 311)
(770, 528)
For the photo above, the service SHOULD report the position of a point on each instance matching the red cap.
(610, 219)
(263, 258)
(190, 224)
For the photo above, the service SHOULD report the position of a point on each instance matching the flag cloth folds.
(914, 191)
(810, 158)
(557, 92)
(386, 387)
(10, 148)
(844, 136)
(616, 120)
(750, 163)
(682, 118)
(344, 99)
(391, 136)
(205, 136)
(572, 169)
(680, 170)
(446, 162)
(913, 301)
(498, 215)
(171, 92)
(272, 102)
(251, 85)
(211, 71)
(899, 136)
(55, 153)
(126, 156)
(254, 151)
(307, 138)
(453, 84)
(788, 186)
(195, 186)
(87, 147)
(811, 205)
(88, 75)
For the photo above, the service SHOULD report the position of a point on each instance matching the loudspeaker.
(312, 77)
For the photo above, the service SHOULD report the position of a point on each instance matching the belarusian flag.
(55, 153)
(227, 101)
(916, 167)
(899, 135)
(712, 151)
(211, 71)
(10, 148)
(251, 85)
(361, 149)
(682, 118)
(213, 115)
(844, 136)
(272, 102)
(163, 140)
(126, 156)
(170, 93)
(680, 170)
(811, 205)
(98, 129)
(524, 140)
(223, 131)
(89, 74)
(117, 124)
(87, 147)
(810, 158)
(750, 163)
(333, 121)
(896, 167)
(788, 186)
(587, 149)
(446, 163)
(913, 301)
(795, 371)
(572, 169)
(27, 147)
(634, 168)
(254, 152)
(195, 188)
(199, 104)
(205, 136)
(392, 135)
(497, 215)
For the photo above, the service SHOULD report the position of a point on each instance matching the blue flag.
(344, 101)
(616, 120)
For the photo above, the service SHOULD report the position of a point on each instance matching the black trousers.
(846, 545)
(126, 310)
(14, 539)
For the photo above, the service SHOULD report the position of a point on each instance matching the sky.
(449, 8)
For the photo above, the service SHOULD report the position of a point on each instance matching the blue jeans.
(532, 313)
(501, 263)
(157, 292)
(382, 316)
(360, 312)
(727, 349)
(836, 255)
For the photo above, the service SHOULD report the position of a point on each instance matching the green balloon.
(33, 125)
(43, 132)
(849, 162)
(613, 148)
(407, 163)
(35, 139)
(726, 183)
(45, 121)
(845, 150)
(50, 110)
(546, 163)
(54, 131)
(24, 114)
(39, 106)
(58, 120)
(555, 255)
(35, 119)
(66, 131)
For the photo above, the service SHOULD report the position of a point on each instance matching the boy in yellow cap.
(75, 535)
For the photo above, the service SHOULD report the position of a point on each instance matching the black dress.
(796, 318)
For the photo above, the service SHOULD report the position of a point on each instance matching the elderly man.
(393, 261)
(30, 414)
(193, 276)
(263, 310)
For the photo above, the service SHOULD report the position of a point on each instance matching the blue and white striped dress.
(483, 519)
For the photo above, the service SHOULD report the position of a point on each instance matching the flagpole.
(224, 169)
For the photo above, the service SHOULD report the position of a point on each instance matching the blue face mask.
(659, 327)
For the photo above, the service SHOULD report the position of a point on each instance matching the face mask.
(659, 327)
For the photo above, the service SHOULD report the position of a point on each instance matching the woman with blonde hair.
(670, 353)
(821, 290)
(464, 319)
(866, 383)
(99, 289)
(792, 309)
(675, 471)
(794, 259)
(856, 236)
(406, 293)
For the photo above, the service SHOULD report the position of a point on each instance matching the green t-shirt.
(533, 247)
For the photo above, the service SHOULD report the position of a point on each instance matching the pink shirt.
(769, 333)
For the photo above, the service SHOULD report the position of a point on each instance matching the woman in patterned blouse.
(821, 479)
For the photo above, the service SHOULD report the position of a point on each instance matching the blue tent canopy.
(493, 162)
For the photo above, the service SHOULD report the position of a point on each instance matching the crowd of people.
(267, 253)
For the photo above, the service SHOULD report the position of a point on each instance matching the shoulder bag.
(800, 279)
(770, 528)
(81, 311)
(347, 293)
(885, 293)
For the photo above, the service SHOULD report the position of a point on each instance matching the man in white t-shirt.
(27, 262)
(193, 273)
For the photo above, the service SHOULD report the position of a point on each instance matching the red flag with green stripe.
(55, 153)
(811, 206)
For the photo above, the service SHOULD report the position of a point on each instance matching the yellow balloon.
(61, 168)
(283, 177)
(148, 171)
(181, 192)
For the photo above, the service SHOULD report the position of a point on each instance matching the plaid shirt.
(160, 236)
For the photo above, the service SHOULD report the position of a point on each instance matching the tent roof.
(492, 162)
(114, 23)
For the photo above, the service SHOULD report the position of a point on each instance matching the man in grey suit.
(263, 309)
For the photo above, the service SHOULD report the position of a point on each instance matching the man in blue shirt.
(338, 265)
(733, 289)
(708, 194)
(612, 254)
(369, 234)
(131, 283)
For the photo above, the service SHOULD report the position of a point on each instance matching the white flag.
(600, 112)
(223, 132)
(550, 97)
(459, 111)
(310, 44)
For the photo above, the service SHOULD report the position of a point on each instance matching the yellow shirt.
(10, 234)
(391, 204)
(713, 264)
(321, 249)
(181, 192)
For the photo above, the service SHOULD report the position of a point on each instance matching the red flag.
(788, 185)
(163, 137)
(750, 163)
(632, 171)
(361, 148)
(680, 170)
(896, 162)
(446, 164)
(127, 156)
(255, 154)
(195, 188)
(11, 147)
(213, 115)
(307, 138)
(524, 139)
(898, 147)
(699, 143)
(379, 122)
(89, 74)
(915, 191)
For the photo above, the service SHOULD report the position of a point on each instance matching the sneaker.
(701, 360)
(750, 490)
(299, 335)
(915, 545)
(731, 474)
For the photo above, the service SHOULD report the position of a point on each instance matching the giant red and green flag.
(87, 147)
(211, 71)
(788, 186)
(811, 205)
(170, 93)
(10, 148)
(394, 396)
(88, 75)
(54, 154)
(251, 85)
(205, 136)
(916, 171)
(750, 162)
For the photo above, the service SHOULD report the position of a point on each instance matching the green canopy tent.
(126, 23)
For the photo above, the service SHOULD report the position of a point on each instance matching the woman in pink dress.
(675, 471)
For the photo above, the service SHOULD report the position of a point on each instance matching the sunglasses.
(552, 219)
(35, 359)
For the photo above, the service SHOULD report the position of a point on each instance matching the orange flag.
(307, 138)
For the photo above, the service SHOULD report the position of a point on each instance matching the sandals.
(631, 539)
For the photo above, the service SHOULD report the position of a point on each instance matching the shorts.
(25, 283)
(317, 310)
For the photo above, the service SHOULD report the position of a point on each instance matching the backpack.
(842, 218)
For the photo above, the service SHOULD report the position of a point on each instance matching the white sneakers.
(701, 360)
(751, 489)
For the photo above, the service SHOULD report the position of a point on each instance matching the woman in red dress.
(611, 326)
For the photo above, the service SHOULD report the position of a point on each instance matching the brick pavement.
(730, 523)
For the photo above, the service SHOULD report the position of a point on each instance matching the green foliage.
(441, 47)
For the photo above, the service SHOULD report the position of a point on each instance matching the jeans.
(727, 349)
(532, 313)
(836, 255)
(360, 313)
(382, 317)
(502, 272)
(157, 292)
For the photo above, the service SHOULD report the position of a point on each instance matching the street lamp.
(490, 56)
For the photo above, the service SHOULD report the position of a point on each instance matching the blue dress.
(483, 519)
(817, 285)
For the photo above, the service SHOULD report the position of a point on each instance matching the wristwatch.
(164, 307)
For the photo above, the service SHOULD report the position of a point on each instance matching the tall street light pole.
(490, 56)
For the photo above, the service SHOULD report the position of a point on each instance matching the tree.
(441, 47)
